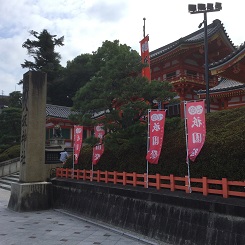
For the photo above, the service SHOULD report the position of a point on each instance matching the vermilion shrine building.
(59, 115)
(230, 92)
(182, 63)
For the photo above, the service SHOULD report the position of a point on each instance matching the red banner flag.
(155, 134)
(196, 127)
(78, 139)
(98, 150)
(145, 56)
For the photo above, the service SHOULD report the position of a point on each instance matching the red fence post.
(124, 178)
(134, 179)
(115, 177)
(187, 190)
(98, 175)
(205, 186)
(146, 180)
(172, 184)
(67, 173)
(225, 187)
(158, 181)
(84, 174)
(91, 173)
(106, 176)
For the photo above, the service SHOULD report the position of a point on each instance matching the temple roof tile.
(59, 111)
(193, 38)
(224, 85)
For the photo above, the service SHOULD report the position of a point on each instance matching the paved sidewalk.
(52, 227)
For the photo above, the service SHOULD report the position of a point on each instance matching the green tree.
(10, 124)
(4, 100)
(119, 93)
(15, 99)
(42, 50)
(76, 74)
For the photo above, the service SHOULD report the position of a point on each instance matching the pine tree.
(42, 50)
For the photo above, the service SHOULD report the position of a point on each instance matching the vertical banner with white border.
(155, 134)
(78, 139)
(98, 150)
(196, 127)
(145, 56)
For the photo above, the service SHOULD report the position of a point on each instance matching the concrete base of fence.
(30, 196)
(172, 217)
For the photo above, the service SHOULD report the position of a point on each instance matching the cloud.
(107, 12)
(85, 24)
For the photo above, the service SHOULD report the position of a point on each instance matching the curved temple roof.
(238, 52)
(231, 66)
(195, 37)
(59, 111)
(224, 85)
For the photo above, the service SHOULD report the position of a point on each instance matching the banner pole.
(147, 163)
(187, 153)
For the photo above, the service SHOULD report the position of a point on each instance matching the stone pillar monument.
(32, 192)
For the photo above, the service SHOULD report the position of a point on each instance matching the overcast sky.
(85, 24)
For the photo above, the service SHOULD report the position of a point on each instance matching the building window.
(174, 62)
(156, 69)
(171, 75)
(166, 65)
(191, 73)
(191, 62)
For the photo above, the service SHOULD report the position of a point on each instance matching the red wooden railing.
(204, 185)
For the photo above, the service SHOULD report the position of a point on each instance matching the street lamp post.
(202, 8)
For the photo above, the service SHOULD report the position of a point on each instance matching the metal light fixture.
(192, 7)
(200, 25)
(218, 6)
(202, 8)
(210, 6)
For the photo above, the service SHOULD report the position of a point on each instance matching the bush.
(10, 153)
(221, 156)
(3, 157)
(3, 147)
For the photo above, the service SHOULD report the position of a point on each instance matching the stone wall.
(9, 167)
(173, 217)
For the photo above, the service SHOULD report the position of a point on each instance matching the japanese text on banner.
(196, 127)
(98, 150)
(156, 134)
(78, 139)
(145, 56)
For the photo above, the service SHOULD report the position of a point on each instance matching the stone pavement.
(55, 227)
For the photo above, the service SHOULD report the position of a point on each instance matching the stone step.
(5, 187)
(5, 182)
(15, 175)
(10, 178)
